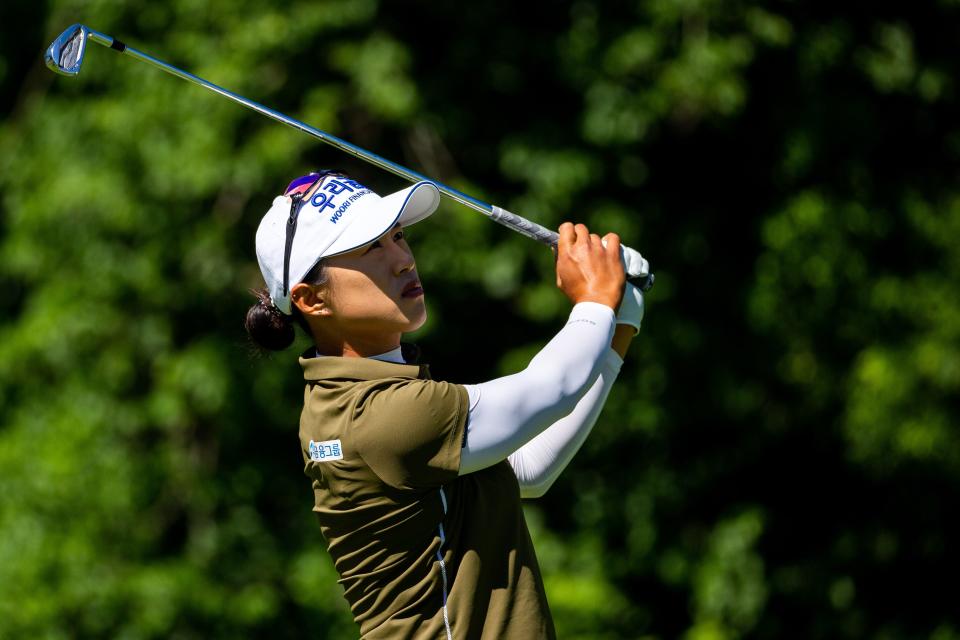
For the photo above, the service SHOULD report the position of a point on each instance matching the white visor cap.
(337, 217)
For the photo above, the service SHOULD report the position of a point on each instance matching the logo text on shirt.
(325, 451)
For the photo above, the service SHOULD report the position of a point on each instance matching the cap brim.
(406, 206)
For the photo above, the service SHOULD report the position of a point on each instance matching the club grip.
(636, 266)
(524, 226)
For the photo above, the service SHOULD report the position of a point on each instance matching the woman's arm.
(517, 408)
(508, 412)
(539, 463)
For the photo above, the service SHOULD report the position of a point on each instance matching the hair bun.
(267, 325)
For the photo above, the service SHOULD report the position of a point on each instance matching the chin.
(416, 321)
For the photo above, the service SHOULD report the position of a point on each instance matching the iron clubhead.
(65, 55)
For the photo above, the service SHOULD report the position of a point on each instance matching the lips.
(412, 290)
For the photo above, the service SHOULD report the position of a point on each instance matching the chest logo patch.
(326, 451)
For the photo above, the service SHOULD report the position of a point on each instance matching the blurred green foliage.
(781, 456)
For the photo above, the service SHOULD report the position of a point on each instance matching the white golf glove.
(631, 308)
(633, 263)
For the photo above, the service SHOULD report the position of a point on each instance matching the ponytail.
(267, 326)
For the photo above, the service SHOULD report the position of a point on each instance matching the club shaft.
(506, 218)
(323, 136)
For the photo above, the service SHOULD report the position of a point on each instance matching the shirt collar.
(332, 367)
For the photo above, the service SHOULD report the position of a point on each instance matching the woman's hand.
(589, 267)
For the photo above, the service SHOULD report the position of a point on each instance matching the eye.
(398, 235)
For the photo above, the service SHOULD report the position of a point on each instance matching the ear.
(308, 300)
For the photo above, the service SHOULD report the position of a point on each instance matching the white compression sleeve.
(514, 409)
(539, 462)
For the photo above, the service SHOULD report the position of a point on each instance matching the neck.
(358, 346)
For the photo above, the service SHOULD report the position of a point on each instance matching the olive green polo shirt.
(421, 551)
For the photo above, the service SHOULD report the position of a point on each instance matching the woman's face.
(374, 289)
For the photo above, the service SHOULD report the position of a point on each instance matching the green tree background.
(780, 457)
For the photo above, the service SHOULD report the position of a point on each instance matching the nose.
(402, 258)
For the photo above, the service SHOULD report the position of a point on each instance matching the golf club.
(65, 55)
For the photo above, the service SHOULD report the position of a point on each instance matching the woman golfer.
(418, 483)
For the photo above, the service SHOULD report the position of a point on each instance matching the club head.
(65, 55)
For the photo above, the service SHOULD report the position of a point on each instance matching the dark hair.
(270, 328)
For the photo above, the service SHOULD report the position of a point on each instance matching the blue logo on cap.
(325, 196)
